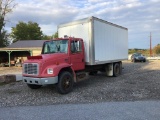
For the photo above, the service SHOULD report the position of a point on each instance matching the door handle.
(66, 60)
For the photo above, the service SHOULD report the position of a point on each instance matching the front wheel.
(65, 83)
(134, 60)
(32, 86)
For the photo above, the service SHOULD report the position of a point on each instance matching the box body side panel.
(110, 42)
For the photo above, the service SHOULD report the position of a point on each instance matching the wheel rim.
(66, 83)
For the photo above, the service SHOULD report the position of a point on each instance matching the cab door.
(77, 54)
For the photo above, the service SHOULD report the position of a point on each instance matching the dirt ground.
(10, 70)
(138, 82)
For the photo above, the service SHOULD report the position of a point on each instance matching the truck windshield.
(55, 46)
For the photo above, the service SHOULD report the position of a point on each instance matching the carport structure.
(21, 48)
(9, 51)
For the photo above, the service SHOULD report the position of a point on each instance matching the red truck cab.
(57, 64)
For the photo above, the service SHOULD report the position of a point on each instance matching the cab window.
(76, 46)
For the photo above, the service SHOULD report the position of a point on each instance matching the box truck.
(84, 46)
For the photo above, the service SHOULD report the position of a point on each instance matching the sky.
(141, 17)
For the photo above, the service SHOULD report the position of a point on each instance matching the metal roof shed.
(23, 45)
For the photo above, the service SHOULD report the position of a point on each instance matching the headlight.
(50, 71)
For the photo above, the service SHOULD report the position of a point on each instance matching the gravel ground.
(138, 82)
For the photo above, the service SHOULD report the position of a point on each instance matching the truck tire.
(65, 83)
(120, 67)
(116, 70)
(134, 60)
(33, 86)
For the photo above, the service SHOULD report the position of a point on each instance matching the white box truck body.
(104, 42)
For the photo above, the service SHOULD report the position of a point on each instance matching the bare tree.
(6, 6)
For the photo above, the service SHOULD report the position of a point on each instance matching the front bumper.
(40, 81)
(140, 59)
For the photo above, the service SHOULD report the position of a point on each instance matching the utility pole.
(150, 44)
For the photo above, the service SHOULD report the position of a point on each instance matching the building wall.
(36, 52)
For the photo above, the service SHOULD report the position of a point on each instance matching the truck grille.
(30, 68)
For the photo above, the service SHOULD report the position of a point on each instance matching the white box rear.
(104, 42)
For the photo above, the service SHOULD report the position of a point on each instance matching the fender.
(65, 65)
(56, 69)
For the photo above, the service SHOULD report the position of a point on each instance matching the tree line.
(155, 51)
(29, 31)
(22, 31)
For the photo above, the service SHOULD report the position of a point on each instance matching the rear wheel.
(134, 60)
(116, 69)
(65, 83)
(120, 67)
(32, 86)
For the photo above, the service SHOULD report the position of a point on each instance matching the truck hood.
(46, 57)
(53, 56)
